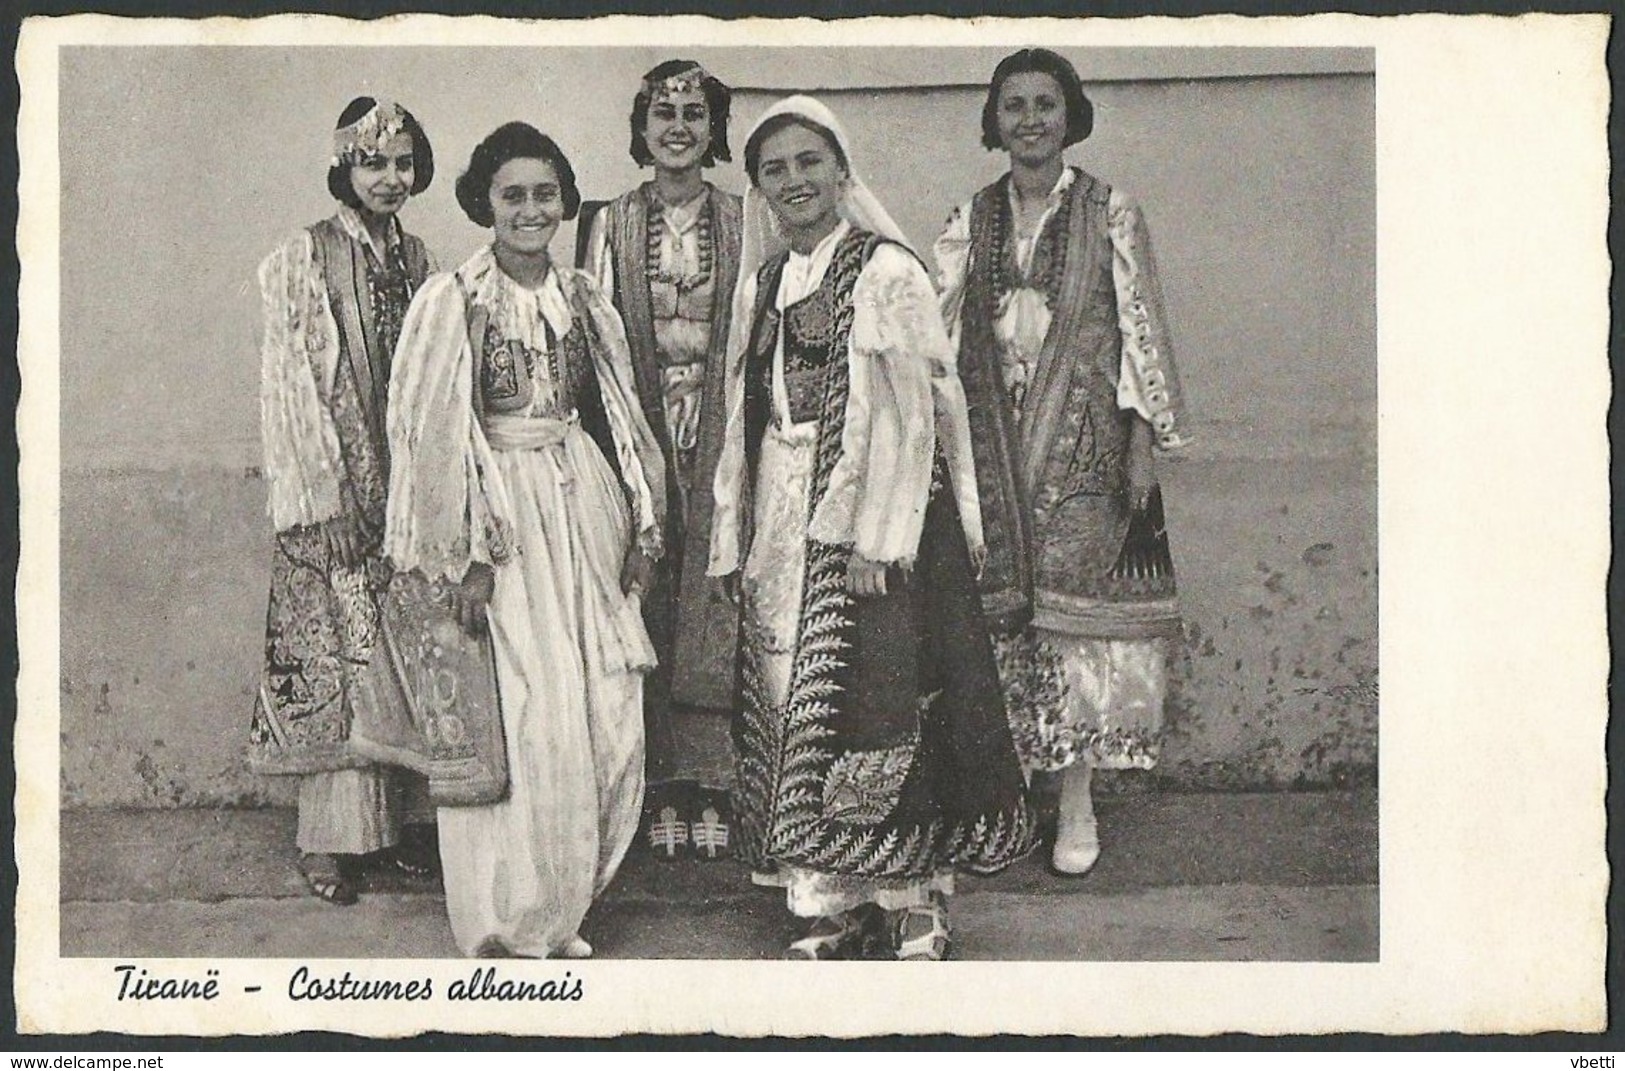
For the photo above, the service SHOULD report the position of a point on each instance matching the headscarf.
(761, 242)
(858, 206)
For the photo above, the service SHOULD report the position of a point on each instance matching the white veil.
(858, 207)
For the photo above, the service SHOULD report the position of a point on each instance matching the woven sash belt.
(507, 432)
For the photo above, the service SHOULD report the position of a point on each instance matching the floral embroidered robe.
(1063, 344)
(333, 307)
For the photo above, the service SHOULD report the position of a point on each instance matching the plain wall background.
(181, 167)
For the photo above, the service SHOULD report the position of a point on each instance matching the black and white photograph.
(896, 493)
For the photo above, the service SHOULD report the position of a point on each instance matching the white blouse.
(679, 334)
(446, 498)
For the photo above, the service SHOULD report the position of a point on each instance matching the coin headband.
(689, 79)
(368, 135)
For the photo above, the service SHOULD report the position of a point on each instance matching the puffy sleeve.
(600, 263)
(878, 488)
(1147, 380)
(447, 505)
(636, 448)
(951, 251)
(299, 349)
(728, 486)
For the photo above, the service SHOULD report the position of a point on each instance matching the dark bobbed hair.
(718, 98)
(512, 141)
(338, 175)
(783, 121)
(1080, 113)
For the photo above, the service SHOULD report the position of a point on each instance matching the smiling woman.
(526, 477)
(667, 253)
(1052, 295)
(875, 757)
(800, 169)
(381, 180)
(525, 213)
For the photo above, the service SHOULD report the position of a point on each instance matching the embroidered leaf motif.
(848, 861)
(863, 786)
(904, 860)
(797, 802)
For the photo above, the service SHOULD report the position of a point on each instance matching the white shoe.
(576, 948)
(1077, 836)
(1076, 849)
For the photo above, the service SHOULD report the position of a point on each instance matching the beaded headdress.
(368, 135)
(689, 79)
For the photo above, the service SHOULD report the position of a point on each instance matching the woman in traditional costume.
(334, 295)
(1053, 303)
(875, 756)
(667, 254)
(526, 475)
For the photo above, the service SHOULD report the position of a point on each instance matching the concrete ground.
(1280, 876)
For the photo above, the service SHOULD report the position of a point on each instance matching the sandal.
(709, 831)
(326, 879)
(830, 937)
(412, 866)
(495, 948)
(417, 855)
(923, 933)
(408, 864)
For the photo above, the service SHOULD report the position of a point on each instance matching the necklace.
(683, 282)
(1048, 264)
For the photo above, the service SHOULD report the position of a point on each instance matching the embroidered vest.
(507, 385)
(361, 390)
(1052, 480)
(816, 332)
(508, 381)
(628, 222)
